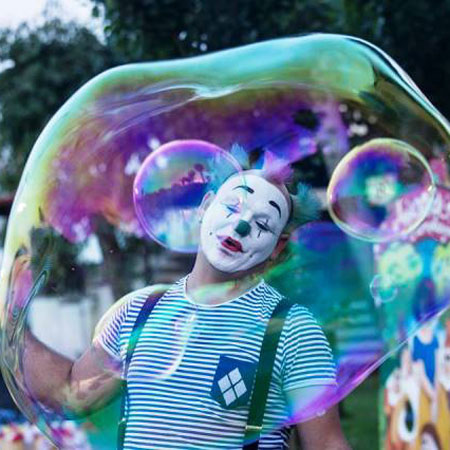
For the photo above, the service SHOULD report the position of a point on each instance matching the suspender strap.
(141, 319)
(262, 378)
(264, 375)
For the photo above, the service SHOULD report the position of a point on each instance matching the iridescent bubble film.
(333, 112)
(383, 289)
(170, 186)
(370, 181)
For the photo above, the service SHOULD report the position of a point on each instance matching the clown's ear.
(281, 244)
(205, 204)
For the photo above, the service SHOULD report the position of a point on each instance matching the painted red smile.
(231, 244)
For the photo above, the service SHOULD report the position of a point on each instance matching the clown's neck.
(207, 286)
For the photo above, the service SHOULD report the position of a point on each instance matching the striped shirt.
(192, 371)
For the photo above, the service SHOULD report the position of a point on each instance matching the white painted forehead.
(257, 186)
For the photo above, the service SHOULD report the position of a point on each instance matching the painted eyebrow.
(271, 202)
(246, 188)
(275, 205)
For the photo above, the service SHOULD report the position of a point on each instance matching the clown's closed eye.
(263, 227)
(231, 208)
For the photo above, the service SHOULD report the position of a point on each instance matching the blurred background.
(48, 49)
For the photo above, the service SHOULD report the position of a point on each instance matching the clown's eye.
(231, 208)
(263, 226)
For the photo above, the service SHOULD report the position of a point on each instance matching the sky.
(14, 12)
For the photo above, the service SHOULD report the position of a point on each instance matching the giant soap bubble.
(75, 244)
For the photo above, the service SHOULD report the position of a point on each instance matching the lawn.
(359, 416)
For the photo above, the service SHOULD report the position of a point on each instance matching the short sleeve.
(108, 333)
(109, 329)
(307, 356)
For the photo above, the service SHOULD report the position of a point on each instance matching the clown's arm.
(324, 430)
(309, 382)
(76, 387)
(65, 386)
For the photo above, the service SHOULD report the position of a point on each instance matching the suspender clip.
(253, 428)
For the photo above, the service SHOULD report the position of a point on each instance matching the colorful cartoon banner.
(415, 394)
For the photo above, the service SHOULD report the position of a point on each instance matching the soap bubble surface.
(383, 289)
(369, 182)
(170, 186)
(76, 241)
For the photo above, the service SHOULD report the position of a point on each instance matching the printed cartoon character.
(440, 270)
(408, 408)
(392, 395)
(412, 408)
(443, 390)
(429, 438)
(401, 262)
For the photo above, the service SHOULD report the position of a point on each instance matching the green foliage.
(360, 415)
(46, 65)
(160, 29)
(53, 255)
(414, 32)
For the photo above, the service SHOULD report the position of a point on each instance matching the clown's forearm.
(67, 387)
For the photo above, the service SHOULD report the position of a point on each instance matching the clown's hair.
(305, 207)
(276, 170)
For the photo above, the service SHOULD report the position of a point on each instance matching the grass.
(359, 416)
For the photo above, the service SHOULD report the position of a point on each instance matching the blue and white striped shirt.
(192, 371)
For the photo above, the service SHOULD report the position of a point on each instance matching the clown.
(261, 211)
(200, 399)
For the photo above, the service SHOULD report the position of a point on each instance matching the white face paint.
(241, 227)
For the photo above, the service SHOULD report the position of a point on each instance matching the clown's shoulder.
(138, 297)
(296, 308)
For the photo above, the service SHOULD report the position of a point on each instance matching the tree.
(161, 29)
(44, 67)
(414, 32)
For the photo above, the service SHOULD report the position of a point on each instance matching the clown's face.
(241, 227)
